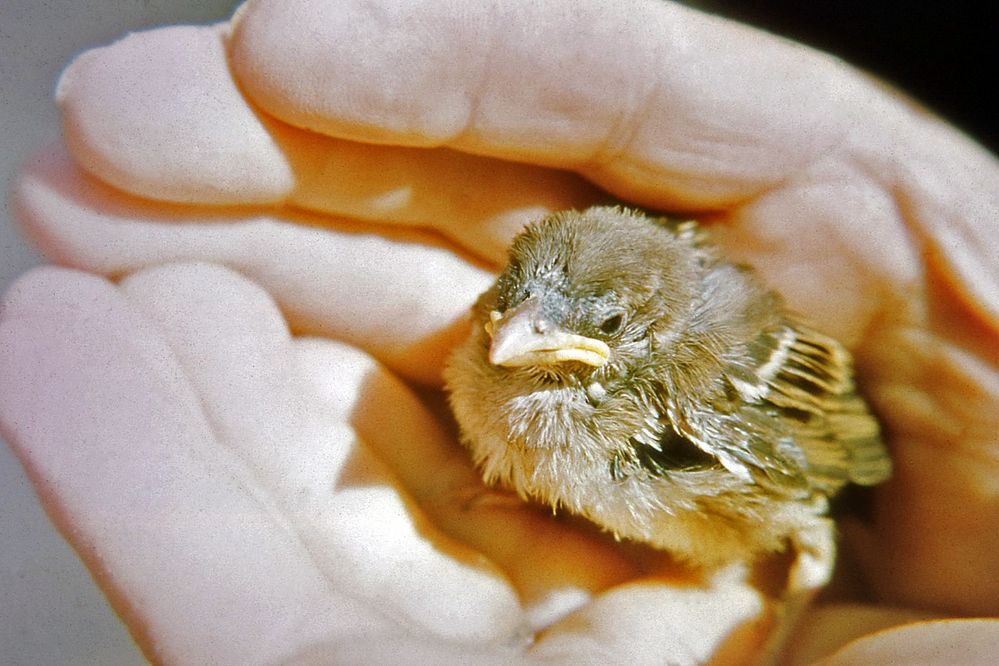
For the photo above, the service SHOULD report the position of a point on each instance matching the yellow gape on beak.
(523, 336)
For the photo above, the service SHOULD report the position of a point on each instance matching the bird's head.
(585, 291)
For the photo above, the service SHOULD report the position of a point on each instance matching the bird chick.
(621, 369)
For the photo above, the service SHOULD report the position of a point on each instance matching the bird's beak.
(523, 336)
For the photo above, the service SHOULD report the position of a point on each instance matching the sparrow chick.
(621, 369)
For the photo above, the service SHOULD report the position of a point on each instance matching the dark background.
(942, 53)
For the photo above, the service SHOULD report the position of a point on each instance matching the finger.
(639, 623)
(941, 642)
(650, 97)
(825, 629)
(183, 539)
(113, 121)
(402, 297)
(157, 114)
(257, 388)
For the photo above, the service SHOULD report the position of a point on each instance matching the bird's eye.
(613, 323)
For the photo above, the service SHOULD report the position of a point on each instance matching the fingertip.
(157, 114)
(360, 70)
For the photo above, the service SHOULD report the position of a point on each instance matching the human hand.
(788, 151)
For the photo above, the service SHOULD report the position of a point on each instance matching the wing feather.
(791, 416)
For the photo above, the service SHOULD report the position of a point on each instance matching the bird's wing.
(748, 442)
(791, 418)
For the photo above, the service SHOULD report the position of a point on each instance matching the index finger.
(660, 103)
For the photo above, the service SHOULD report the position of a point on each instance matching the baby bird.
(621, 369)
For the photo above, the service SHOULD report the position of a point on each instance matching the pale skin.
(246, 494)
